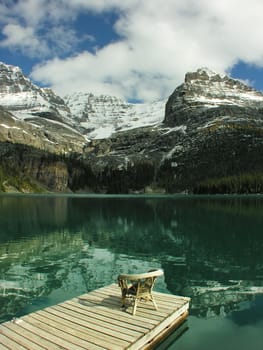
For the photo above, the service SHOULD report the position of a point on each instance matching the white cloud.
(17, 36)
(37, 12)
(159, 42)
(30, 11)
(40, 28)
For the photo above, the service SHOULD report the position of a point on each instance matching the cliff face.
(101, 116)
(205, 95)
(222, 149)
(209, 140)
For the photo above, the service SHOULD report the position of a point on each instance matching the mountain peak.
(207, 84)
(204, 74)
(9, 67)
(205, 89)
(12, 79)
(94, 116)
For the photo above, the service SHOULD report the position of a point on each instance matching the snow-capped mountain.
(36, 116)
(208, 137)
(205, 90)
(24, 99)
(96, 117)
(101, 116)
(211, 89)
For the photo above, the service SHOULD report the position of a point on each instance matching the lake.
(54, 248)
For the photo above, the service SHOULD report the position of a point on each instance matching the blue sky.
(138, 50)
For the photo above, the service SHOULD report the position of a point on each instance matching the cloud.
(59, 40)
(36, 13)
(23, 38)
(158, 42)
(40, 28)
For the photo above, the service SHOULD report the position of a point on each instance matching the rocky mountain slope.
(92, 116)
(208, 138)
(101, 116)
(224, 145)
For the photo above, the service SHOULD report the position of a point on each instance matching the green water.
(53, 248)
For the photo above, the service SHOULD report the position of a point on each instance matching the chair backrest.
(143, 282)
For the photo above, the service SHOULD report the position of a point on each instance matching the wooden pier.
(95, 321)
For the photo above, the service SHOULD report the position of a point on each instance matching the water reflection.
(54, 248)
(218, 333)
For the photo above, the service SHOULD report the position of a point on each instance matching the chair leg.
(134, 306)
(123, 302)
(154, 303)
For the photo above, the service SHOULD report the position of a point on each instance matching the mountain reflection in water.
(56, 247)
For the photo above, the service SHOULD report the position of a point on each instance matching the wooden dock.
(95, 321)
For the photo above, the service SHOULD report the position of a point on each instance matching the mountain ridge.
(207, 138)
(93, 116)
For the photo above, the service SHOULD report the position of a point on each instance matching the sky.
(138, 50)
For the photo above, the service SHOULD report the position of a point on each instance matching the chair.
(138, 287)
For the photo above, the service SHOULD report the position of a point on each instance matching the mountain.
(35, 116)
(207, 138)
(223, 147)
(20, 96)
(92, 116)
(206, 92)
(101, 116)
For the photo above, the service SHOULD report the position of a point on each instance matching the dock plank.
(77, 330)
(8, 343)
(143, 310)
(58, 340)
(108, 335)
(103, 316)
(21, 341)
(96, 321)
(76, 336)
(84, 301)
(35, 333)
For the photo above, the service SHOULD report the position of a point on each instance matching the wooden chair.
(138, 287)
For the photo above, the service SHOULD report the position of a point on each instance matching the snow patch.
(9, 127)
(169, 155)
(104, 115)
(181, 128)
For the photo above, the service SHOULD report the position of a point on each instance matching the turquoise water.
(53, 248)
